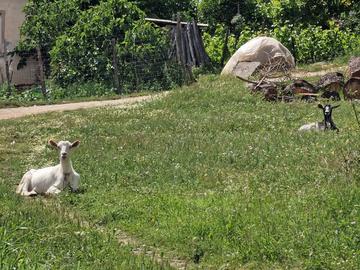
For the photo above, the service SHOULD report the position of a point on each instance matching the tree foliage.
(312, 30)
(166, 9)
(82, 53)
(85, 53)
(224, 11)
(351, 20)
(308, 44)
(305, 12)
(267, 13)
(45, 20)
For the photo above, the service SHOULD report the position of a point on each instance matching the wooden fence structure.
(186, 43)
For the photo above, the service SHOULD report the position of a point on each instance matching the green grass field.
(210, 173)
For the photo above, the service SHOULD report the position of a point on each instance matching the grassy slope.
(210, 171)
(35, 236)
(339, 62)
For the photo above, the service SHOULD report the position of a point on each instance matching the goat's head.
(64, 147)
(327, 111)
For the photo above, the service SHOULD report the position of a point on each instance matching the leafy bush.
(86, 52)
(315, 44)
(45, 20)
(54, 93)
(307, 44)
(76, 90)
(214, 44)
(308, 13)
(33, 94)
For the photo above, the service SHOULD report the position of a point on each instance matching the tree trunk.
(41, 71)
(7, 73)
(115, 67)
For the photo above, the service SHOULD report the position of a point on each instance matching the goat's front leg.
(75, 182)
(29, 193)
(53, 190)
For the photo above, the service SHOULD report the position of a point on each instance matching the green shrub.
(54, 93)
(315, 44)
(308, 45)
(33, 94)
(87, 89)
(86, 52)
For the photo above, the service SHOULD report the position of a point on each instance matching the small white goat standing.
(327, 123)
(51, 180)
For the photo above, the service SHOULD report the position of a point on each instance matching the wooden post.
(195, 46)
(7, 72)
(5, 54)
(172, 51)
(179, 43)
(41, 71)
(204, 58)
(2, 76)
(180, 52)
(188, 60)
(191, 44)
(116, 67)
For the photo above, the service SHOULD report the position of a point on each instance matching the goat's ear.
(334, 107)
(320, 106)
(53, 143)
(75, 144)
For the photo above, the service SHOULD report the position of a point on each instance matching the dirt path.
(10, 113)
(138, 249)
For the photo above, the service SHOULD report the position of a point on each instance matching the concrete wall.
(12, 18)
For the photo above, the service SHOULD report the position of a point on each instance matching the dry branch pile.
(286, 88)
(282, 87)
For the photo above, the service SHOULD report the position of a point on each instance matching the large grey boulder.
(257, 52)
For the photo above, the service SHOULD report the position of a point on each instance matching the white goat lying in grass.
(51, 180)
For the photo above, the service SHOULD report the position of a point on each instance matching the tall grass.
(210, 172)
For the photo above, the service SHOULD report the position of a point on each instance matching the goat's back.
(43, 179)
(316, 126)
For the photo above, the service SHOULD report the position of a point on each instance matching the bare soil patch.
(11, 113)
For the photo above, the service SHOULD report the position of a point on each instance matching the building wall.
(12, 15)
